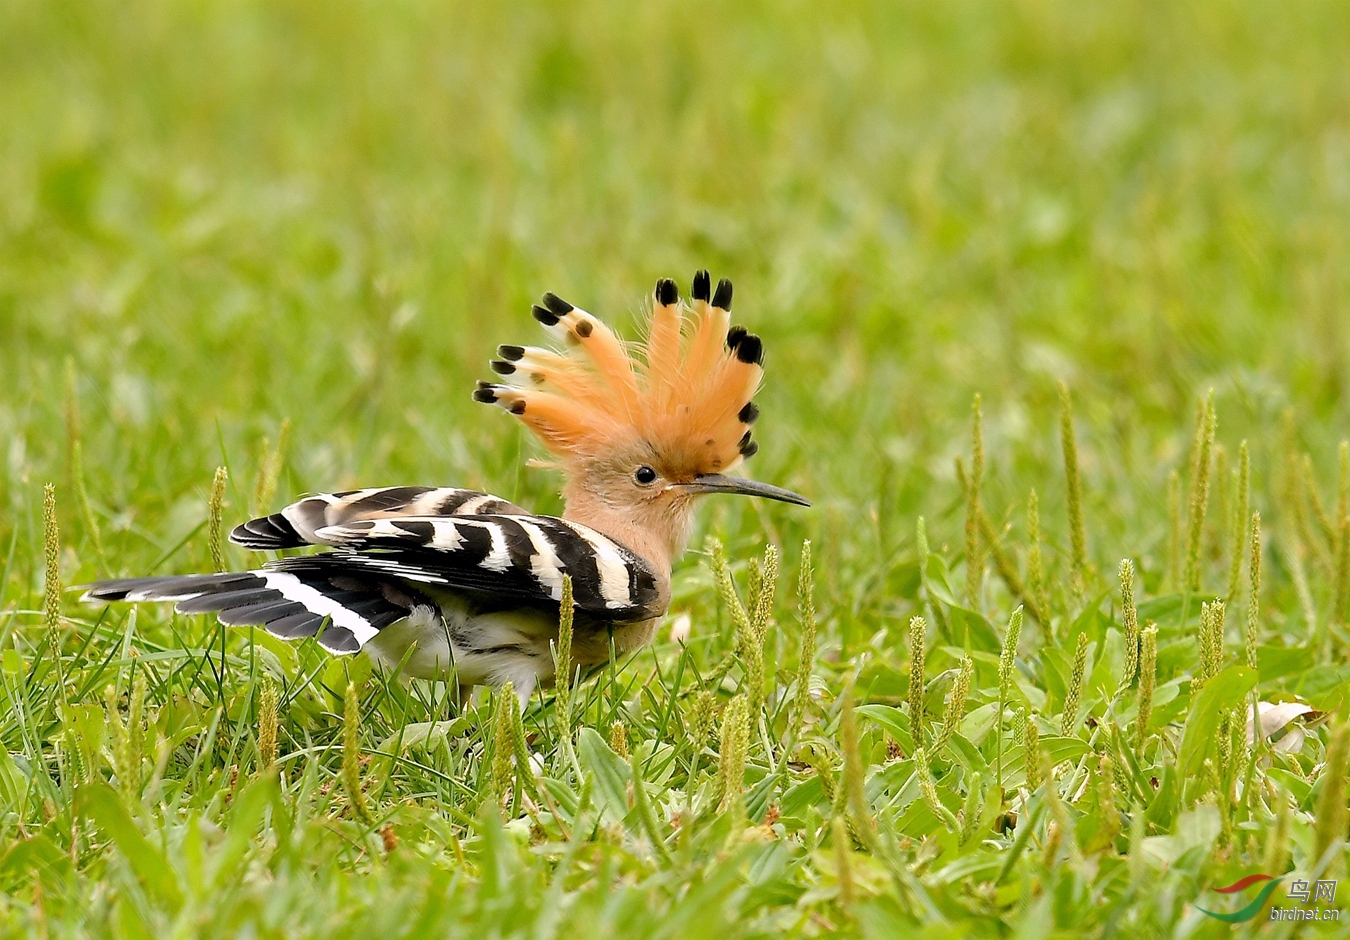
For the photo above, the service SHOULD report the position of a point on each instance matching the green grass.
(216, 217)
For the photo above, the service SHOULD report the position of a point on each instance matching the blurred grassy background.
(229, 213)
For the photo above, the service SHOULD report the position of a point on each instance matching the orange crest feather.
(688, 397)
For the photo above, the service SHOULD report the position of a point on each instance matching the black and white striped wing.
(298, 524)
(508, 556)
(340, 606)
(386, 569)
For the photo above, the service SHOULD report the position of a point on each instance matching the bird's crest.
(688, 394)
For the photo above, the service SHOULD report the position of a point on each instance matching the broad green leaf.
(916, 820)
(771, 878)
(82, 731)
(13, 782)
(758, 796)
(285, 655)
(1057, 748)
(567, 799)
(1299, 788)
(1062, 748)
(978, 724)
(1276, 662)
(967, 755)
(1091, 621)
(937, 578)
(610, 772)
(343, 669)
(936, 690)
(889, 780)
(986, 663)
(991, 810)
(893, 720)
(801, 796)
(972, 629)
(100, 804)
(1169, 702)
(1056, 670)
(1165, 611)
(1323, 685)
(1220, 694)
(1027, 691)
(904, 578)
(1177, 655)
(423, 735)
(1108, 662)
(181, 719)
(1334, 698)
(89, 722)
(883, 680)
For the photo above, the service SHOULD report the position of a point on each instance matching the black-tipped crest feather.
(702, 286)
(666, 292)
(722, 298)
(556, 305)
(750, 349)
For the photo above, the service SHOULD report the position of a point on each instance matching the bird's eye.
(645, 476)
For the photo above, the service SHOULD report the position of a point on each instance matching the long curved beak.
(717, 483)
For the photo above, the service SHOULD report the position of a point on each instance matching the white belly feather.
(488, 648)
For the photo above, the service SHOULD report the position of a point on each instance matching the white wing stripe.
(469, 507)
(293, 589)
(429, 503)
(445, 535)
(133, 596)
(544, 563)
(613, 569)
(498, 559)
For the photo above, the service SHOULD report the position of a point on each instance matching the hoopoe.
(442, 582)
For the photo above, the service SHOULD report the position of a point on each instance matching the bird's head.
(640, 438)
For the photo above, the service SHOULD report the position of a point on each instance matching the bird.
(448, 583)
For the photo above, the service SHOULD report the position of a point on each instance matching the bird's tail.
(342, 616)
